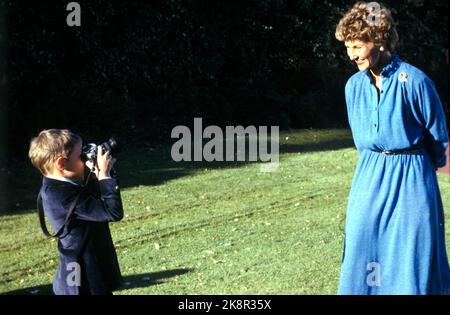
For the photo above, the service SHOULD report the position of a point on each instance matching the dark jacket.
(86, 239)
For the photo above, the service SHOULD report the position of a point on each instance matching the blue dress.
(394, 229)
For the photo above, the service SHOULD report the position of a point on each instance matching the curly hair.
(368, 22)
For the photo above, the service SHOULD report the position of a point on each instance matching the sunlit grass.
(216, 229)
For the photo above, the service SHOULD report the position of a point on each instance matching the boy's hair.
(49, 145)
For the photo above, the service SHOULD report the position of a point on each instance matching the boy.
(88, 263)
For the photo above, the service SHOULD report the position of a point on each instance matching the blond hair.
(368, 22)
(49, 145)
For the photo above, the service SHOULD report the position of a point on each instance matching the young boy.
(88, 263)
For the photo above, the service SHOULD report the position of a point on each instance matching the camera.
(89, 150)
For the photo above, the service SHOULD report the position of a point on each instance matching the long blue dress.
(394, 232)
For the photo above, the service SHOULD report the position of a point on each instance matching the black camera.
(89, 150)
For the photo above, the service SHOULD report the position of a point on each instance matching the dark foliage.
(138, 68)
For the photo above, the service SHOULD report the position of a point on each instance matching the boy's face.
(74, 166)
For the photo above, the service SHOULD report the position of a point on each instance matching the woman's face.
(366, 55)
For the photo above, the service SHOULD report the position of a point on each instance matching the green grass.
(202, 228)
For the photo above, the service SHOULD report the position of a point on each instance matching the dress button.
(374, 125)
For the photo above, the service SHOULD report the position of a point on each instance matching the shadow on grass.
(330, 145)
(148, 169)
(129, 282)
(149, 166)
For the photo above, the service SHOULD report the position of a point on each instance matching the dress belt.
(399, 152)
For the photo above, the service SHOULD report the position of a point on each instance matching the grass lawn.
(210, 228)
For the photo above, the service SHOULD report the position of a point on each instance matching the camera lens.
(111, 146)
(89, 152)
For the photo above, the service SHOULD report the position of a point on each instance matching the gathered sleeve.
(435, 135)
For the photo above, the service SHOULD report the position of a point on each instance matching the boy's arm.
(107, 208)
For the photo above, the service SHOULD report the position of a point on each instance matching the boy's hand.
(104, 163)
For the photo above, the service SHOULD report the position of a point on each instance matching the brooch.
(403, 77)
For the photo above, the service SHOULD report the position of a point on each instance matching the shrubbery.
(138, 68)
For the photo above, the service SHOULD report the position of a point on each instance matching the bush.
(137, 68)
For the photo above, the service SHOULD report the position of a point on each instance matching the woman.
(394, 233)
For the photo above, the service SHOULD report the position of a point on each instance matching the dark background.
(136, 69)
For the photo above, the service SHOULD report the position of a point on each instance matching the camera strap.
(40, 208)
(42, 216)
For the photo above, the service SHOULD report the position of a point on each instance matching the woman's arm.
(433, 121)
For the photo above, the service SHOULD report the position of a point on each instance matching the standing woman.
(394, 233)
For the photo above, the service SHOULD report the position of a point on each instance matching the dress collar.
(392, 66)
(389, 69)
